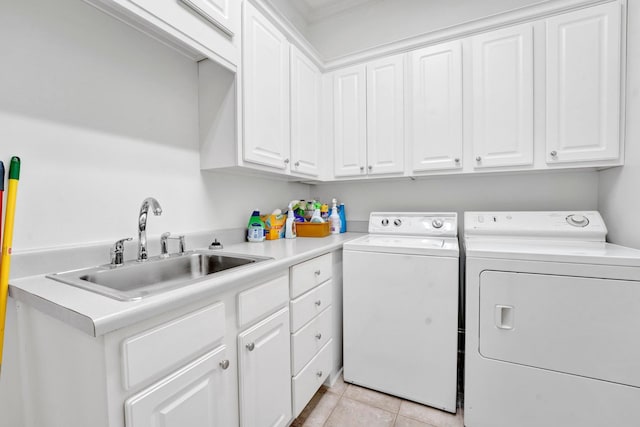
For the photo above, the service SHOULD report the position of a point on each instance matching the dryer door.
(583, 326)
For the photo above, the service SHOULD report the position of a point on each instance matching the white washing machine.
(552, 322)
(400, 307)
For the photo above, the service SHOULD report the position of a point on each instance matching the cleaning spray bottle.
(255, 228)
(334, 219)
(290, 224)
(316, 217)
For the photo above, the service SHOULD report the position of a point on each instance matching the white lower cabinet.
(264, 357)
(197, 395)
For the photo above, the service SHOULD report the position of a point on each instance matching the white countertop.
(96, 314)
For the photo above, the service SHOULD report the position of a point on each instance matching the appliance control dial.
(578, 220)
(437, 223)
(397, 222)
(385, 222)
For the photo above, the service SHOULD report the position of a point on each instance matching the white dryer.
(552, 322)
(400, 307)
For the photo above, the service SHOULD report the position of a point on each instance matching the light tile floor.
(348, 405)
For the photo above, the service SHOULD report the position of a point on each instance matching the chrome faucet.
(142, 225)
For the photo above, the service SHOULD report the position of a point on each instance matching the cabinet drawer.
(309, 305)
(260, 301)
(307, 341)
(309, 274)
(171, 344)
(308, 381)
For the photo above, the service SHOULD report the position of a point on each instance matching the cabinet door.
(503, 97)
(265, 372)
(583, 85)
(266, 92)
(199, 395)
(350, 126)
(435, 130)
(385, 115)
(305, 114)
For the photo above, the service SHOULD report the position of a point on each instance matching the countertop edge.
(85, 310)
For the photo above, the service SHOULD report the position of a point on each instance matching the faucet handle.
(117, 251)
(164, 248)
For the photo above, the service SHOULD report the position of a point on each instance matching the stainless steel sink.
(135, 280)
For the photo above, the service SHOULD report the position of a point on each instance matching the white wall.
(103, 116)
(619, 192)
(535, 191)
(384, 21)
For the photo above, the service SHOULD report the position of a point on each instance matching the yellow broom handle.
(14, 174)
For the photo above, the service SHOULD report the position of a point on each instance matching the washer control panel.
(414, 223)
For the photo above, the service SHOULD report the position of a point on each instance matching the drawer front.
(310, 339)
(310, 274)
(308, 381)
(260, 301)
(171, 344)
(309, 305)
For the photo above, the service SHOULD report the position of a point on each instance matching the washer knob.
(385, 222)
(397, 222)
(437, 223)
(578, 220)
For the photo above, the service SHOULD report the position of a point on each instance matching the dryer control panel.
(414, 223)
(584, 225)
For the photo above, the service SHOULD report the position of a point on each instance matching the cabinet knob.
(224, 364)
(457, 160)
(286, 161)
(319, 374)
(317, 272)
(370, 167)
(478, 159)
(297, 164)
(554, 153)
(251, 346)
(319, 336)
(361, 168)
(319, 303)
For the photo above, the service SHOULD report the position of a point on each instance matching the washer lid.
(410, 245)
(568, 251)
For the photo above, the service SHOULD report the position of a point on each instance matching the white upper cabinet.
(502, 67)
(306, 82)
(220, 13)
(583, 85)
(385, 115)
(350, 125)
(435, 107)
(266, 92)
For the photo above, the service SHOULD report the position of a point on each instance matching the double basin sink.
(135, 280)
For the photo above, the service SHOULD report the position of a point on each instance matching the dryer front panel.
(582, 326)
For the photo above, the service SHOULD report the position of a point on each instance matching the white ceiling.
(314, 10)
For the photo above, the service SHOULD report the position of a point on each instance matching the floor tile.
(408, 422)
(339, 387)
(316, 413)
(430, 415)
(373, 398)
(351, 413)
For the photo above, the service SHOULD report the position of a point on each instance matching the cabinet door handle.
(457, 160)
(286, 161)
(319, 303)
(317, 272)
(478, 159)
(319, 336)
(319, 374)
(297, 164)
(251, 346)
(370, 167)
(361, 168)
(224, 364)
(554, 153)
